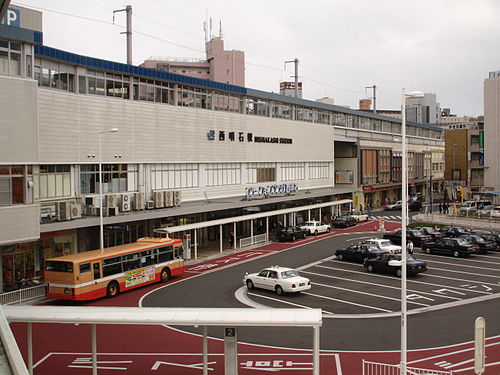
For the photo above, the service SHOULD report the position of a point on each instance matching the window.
(261, 172)
(12, 182)
(319, 170)
(219, 174)
(52, 181)
(174, 176)
(84, 268)
(116, 178)
(10, 58)
(293, 171)
(55, 75)
(165, 254)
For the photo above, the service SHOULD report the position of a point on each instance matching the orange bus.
(98, 273)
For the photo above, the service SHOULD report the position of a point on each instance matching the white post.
(220, 238)
(316, 351)
(404, 201)
(30, 348)
(234, 236)
(196, 244)
(205, 349)
(94, 349)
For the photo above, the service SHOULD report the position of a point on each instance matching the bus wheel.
(113, 289)
(165, 275)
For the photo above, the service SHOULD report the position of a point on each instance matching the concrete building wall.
(18, 122)
(68, 126)
(492, 132)
(225, 66)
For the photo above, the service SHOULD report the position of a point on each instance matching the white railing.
(375, 368)
(253, 240)
(23, 295)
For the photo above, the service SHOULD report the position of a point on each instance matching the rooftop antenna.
(220, 29)
(210, 28)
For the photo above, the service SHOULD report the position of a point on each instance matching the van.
(469, 208)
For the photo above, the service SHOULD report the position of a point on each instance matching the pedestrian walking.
(369, 209)
(409, 247)
(440, 208)
(231, 239)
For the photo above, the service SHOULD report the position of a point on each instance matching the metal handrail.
(23, 294)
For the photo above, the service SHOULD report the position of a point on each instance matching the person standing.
(440, 208)
(409, 247)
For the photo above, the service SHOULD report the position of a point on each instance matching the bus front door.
(96, 270)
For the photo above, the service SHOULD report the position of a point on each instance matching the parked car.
(315, 227)
(416, 236)
(453, 231)
(359, 252)
(359, 216)
(495, 212)
(393, 206)
(484, 245)
(383, 244)
(469, 208)
(290, 233)
(491, 237)
(344, 221)
(450, 246)
(391, 263)
(486, 211)
(435, 234)
(280, 279)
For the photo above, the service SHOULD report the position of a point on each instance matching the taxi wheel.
(399, 273)
(279, 290)
(249, 284)
(113, 289)
(293, 238)
(340, 257)
(456, 253)
(316, 232)
(369, 268)
(165, 275)
(427, 250)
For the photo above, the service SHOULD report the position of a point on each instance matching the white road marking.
(346, 302)
(285, 302)
(368, 294)
(456, 265)
(464, 272)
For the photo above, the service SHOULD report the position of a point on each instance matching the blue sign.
(12, 18)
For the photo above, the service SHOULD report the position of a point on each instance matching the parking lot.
(340, 287)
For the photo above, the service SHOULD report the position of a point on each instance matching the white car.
(359, 216)
(385, 245)
(315, 227)
(280, 279)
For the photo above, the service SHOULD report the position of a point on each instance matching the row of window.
(63, 77)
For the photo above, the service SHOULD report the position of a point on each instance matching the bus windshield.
(58, 266)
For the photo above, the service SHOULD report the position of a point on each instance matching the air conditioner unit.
(76, 211)
(113, 211)
(169, 199)
(150, 205)
(111, 201)
(125, 205)
(139, 201)
(64, 210)
(159, 199)
(92, 201)
(177, 198)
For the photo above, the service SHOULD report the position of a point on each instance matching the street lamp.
(404, 214)
(101, 226)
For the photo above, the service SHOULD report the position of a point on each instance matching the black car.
(415, 205)
(435, 234)
(290, 234)
(495, 237)
(344, 221)
(359, 252)
(416, 236)
(453, 231)
(450, 246)
(391, 263)
(484, 245)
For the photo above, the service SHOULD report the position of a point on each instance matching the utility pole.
(296, 75)
(374, 88)
(128, 10)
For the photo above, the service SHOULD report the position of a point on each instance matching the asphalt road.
(432, 328)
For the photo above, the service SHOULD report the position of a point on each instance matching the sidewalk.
(462, 221)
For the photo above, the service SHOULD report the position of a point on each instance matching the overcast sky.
(445, 47)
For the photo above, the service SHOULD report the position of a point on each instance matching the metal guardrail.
(376, 368)
(23, 295)
(252, 240)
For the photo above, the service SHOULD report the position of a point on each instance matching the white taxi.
(315, 227)
(280, 279)
(385, 245)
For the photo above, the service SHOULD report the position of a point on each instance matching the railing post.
(30, 348)
(94, 349)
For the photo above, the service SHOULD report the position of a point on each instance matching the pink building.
(220, 65)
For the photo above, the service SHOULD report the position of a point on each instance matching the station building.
(187, 150)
